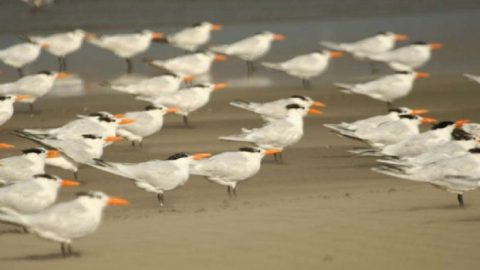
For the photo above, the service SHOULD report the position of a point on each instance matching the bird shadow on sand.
(12, 231)
(44, 257)
(450, 207)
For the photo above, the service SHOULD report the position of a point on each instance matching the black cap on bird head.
(249, 149)
(459, 134)
(294, 106)
(34, 151)
(178, 156)
(442, 124)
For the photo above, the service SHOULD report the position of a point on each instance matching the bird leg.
(60, 64)
(229, 191)
(160, 199)
(460, 200)
(250, 68)
(129, 65)
(75, 175)
(133, 144)
(20, 72)
(64, 60)
(64, 249)
(185, 120)
(31, 107)
(306, 84)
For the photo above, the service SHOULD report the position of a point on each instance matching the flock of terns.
(444, 156)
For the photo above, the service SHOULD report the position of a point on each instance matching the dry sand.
(322, 208)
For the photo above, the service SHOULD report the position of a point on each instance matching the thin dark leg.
(185, 120)
(160, 199)
(60, 64)
(64, 249)
(69, 249)
(75, 175)
(31, 107)
(276, 157)
(250, 68)
(20, 72)
(460, 200)
(229, 191)
(133, 144)
(129, 65)
(306, 84)
(64, 59)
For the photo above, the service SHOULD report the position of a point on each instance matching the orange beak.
(422, 75)
(436, 46)
(69, 183)
(272, 151)
(216, 27)
(279, 37)
(400, 37)
(427, 120)
(461, 122)
(219, 57)
(219, 86)
(118, 116)
(336, 54)
(199, 156)
(172, 110)
(113, 139)
(419, 111)
(62, 75)
(21, 97)
(117, 201)
(126, 121)
(188, 78)
(157, 36)
(314, 111)
(53, 153)
(6, 145)
(44, 46)
(318, 104)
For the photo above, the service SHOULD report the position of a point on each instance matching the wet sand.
(321, 208)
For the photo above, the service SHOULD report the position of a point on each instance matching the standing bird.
(62, 44)
(306, 66)
(6, 106)
(157, 176)
(276, 110)
(126, 45)
(65, 221)
(20, 55)
(229, 168)
(374, 121)
(34, 86)
(250, 48)
(187, 100)
(387, 88)
(195, 64)
(420, 143)
(34, 195)
(193, 37)
(23, 167)
(147, 123)
(155, 86)
(277, 134)
(387, 133)
(379, 43)
(409, 57)
(457, 174)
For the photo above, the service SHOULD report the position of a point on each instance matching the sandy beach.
(321, 209)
